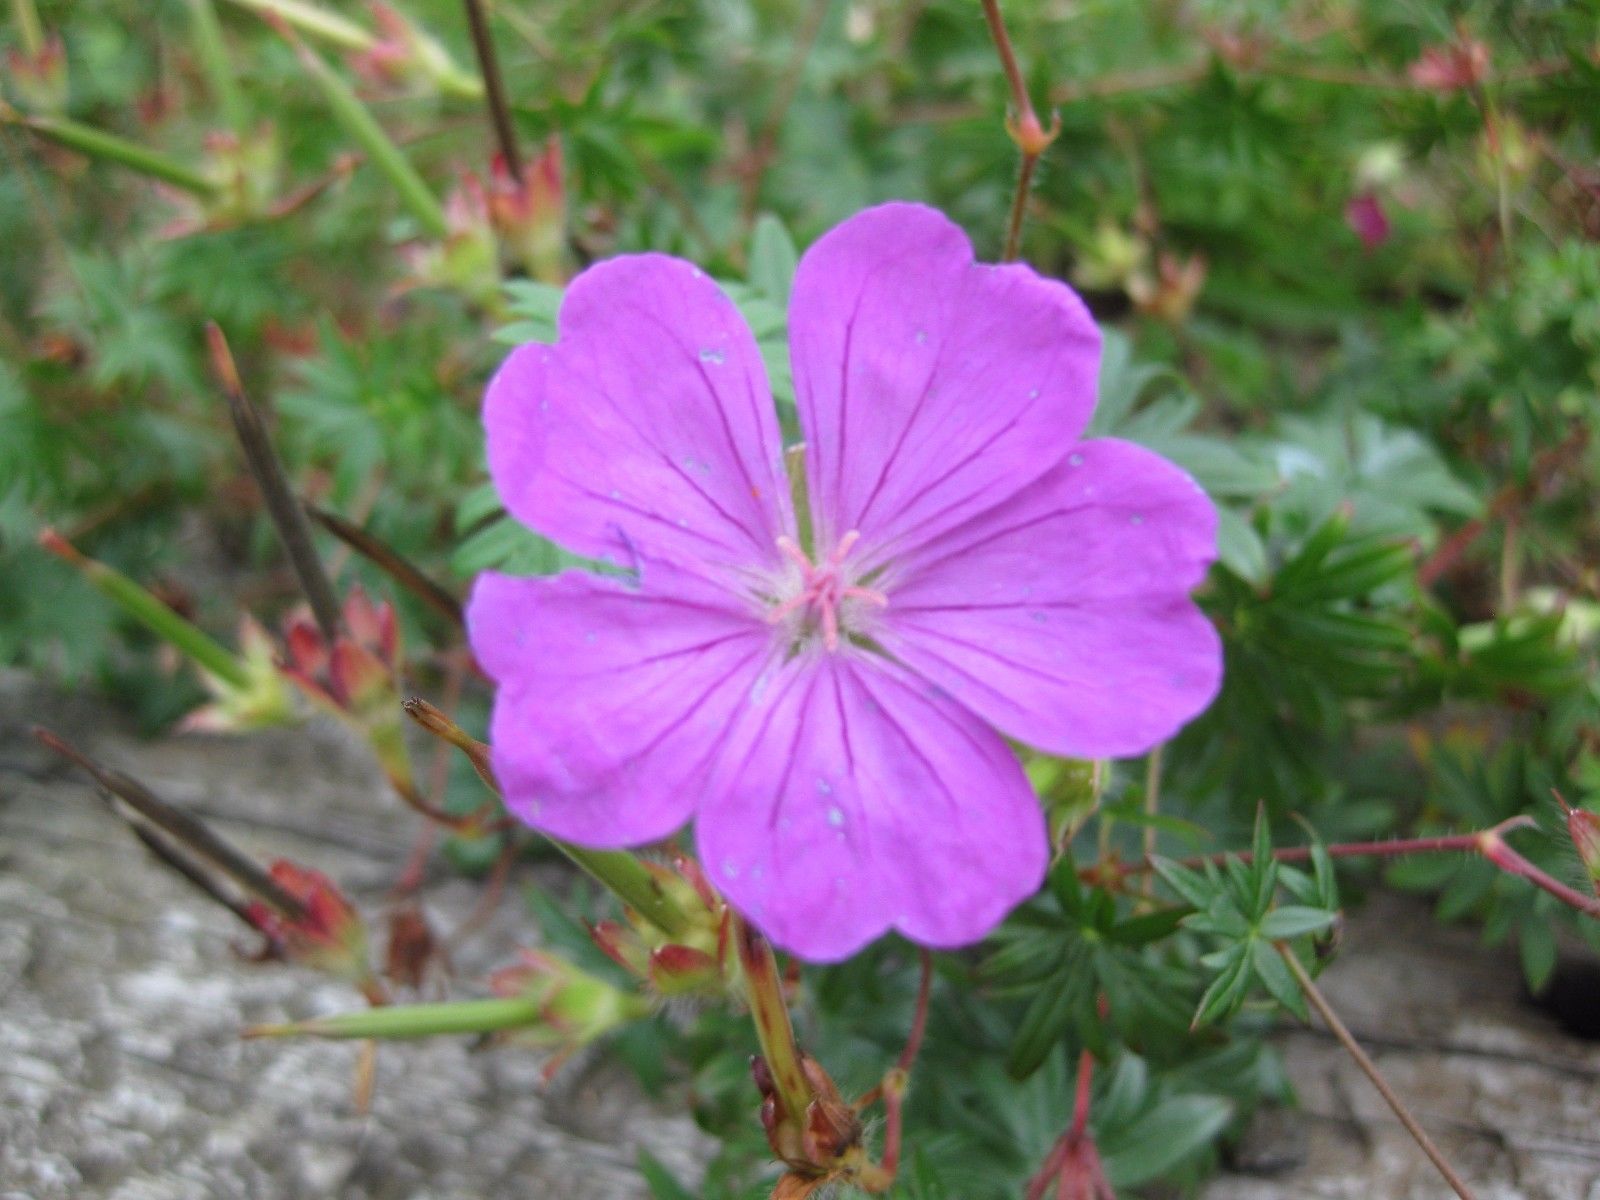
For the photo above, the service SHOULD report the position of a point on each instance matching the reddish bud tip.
(52, 541)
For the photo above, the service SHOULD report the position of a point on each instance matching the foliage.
(1399, 431)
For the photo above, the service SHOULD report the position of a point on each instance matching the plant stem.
(1152, 805)
(287, 515)
(32, 32)
(1032, 139)
(626, 877)
(766, 142)
(1488, 843)
(618, 871)
(206, 653)
(330, 27)
(771, 1016)
(494, 91)
(212, 51)
(391, 562)
(110, 148)
(413, 1020)
(363, 127)
(1370, 1070)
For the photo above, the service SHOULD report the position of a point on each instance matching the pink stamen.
(823, 588)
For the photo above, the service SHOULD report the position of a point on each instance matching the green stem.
(626, 877)
(319, 23)
(27, 18)
(413, 1020)
(109, 147)
(771, 1016)
(212, 52)
(209, 655)
(360, 124)
(616, 870)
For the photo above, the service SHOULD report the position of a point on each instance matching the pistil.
(823, 588)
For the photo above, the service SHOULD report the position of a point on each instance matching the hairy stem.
(771, 1016)
(1032, 138)
(1370, 1070)
(1489, 843)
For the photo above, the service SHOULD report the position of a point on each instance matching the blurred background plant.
(1349, 257)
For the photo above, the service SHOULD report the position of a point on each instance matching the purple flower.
(829, 705)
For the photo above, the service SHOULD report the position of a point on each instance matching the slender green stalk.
(212, 52)
(27, 18)
(209, 655)
(413, 1020)
(360, 124)
(625, 875)
(616, 870)
(318, 22)
(771, 1016)
(108, 147)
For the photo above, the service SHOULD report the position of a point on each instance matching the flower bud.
(328, 934)
(575, 1008)
(464, 260)
(1583, 827)
(530, 213)
(39, 78)
(1462, 63)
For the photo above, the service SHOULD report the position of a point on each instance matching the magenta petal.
(930, 387)
(1063, 615)
(852, 799)
(648, 429)
(611, 702)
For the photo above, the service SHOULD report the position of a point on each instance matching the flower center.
(824, 591)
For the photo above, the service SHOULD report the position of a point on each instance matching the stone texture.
(122, 1076)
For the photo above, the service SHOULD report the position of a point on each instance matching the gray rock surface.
(122, 1075)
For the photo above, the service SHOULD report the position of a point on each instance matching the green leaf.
(1294, 920)
(1191, 885)
(1176, 1129)
(1536, 946)
(662, 1183)
(1228, 988)
(773, 259)
(1042, 1026)
(1279, 981)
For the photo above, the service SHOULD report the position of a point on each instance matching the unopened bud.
(679, 970)
(328, 934)
(39, 77)
(1584, 828)
(530, 213)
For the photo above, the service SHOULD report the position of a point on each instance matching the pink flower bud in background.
(530, 214)
(1365, 215)
(39, 79)
(1583, 827)
(1462, 63)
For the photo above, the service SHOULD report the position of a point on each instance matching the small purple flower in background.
(828, 704)
(1365, 215)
